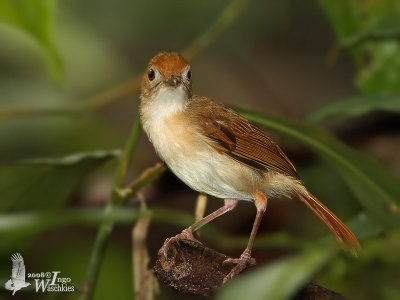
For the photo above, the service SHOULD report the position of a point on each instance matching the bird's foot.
(241, 263)
(186, 234)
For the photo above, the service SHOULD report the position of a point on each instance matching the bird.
(17, 280)
(216, 151)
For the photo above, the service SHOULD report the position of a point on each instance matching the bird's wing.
(235, 136)
(18, 267)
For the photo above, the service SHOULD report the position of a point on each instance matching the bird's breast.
(180, 144)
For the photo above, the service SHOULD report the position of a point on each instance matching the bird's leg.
(188, 232)
(245, 259)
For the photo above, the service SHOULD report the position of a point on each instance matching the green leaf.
(46, 183)
(23, 224)
(35, 18)
(279, 280)
(363, 227)
(357, 105)
(377, 190)
(384, 30)
(343, 15)
(355, 20)
(370, 31)
(382, 72)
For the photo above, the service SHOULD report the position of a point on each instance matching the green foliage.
(382, 73)
(357, 105)
(46, 183)
(378, 263)
(116, 269)
(35, 18)
(370, 30)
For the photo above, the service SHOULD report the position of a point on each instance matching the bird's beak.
(173, 81)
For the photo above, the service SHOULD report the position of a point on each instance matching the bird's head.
(167, 72)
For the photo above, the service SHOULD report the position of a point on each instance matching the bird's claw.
(241, 263)
(186, 234)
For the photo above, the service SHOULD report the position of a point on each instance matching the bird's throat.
(161, 105)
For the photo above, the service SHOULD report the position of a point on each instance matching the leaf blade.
(46, 183)
(369, 29)
(35, 19)
(357, 105)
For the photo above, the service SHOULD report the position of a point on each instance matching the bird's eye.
(151, 74)
(189, 75)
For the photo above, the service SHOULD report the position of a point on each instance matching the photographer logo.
(17, 280)
(44, 281)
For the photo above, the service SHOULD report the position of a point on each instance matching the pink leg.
(245, 259)
(188, 232)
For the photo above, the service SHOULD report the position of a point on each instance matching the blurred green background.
(323, 78)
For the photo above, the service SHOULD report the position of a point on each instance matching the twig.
(148, 176)
(144, 281)
(105, 229)
(117, 198)
(201, 205)
(199, 44)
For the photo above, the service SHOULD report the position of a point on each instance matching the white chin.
(171, 92)
(171, 99)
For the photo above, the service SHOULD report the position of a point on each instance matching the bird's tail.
(340, 231)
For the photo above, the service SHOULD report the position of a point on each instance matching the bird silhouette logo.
(17, 280)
